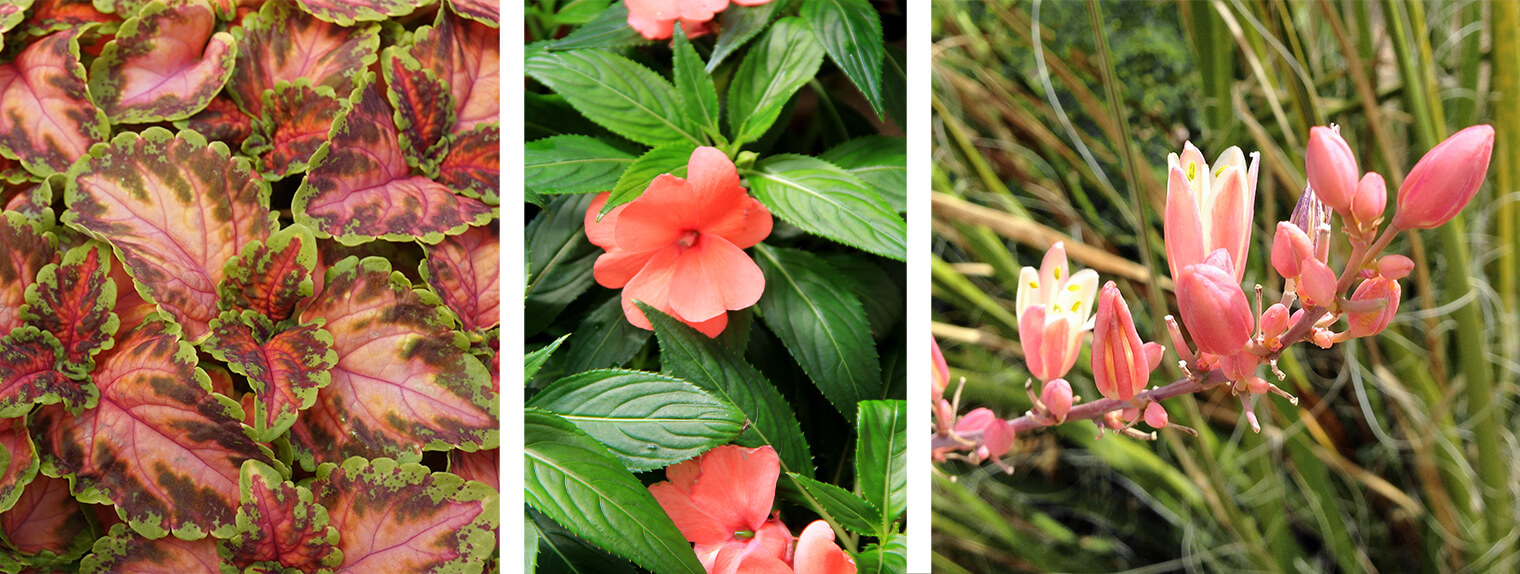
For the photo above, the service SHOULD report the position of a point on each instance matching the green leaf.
(888, 557)
(604, 339)
(582, 11)
(574, 481)
(671, 159)
(560, 552)
(822, 324)
(535, 360)
(852, 512)
(694, 357)
(699, 99)
(881, 162)
(880, 290)
(648, 420)
(617, 93)
(823, 199)
(780, 63)
(560, 260)
(572, 164)
(895, 81)
(881, 457)
(609, 30)
(738, 25)
(850, 30)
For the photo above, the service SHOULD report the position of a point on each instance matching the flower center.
(744, 534)
(688, 239)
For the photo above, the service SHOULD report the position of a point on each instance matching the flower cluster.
(721, 501)
(679, 246)
(656, 19)
(1208, 237)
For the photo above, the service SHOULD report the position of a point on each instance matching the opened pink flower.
(722, 502)
(679, 246)
(656, 19)
(1054, 307)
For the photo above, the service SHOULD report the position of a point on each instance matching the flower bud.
(1289, 247)
(1395, 266)
(941, 378)
(1214, 309)
(1331, 168)
(975, 420)
(1443, 181)
(1317, 284)
(1155, 415)
(1371, 198)
(997, 437)
(1057, 398)
(1274, 321)
(1366, 324)
(1119, 359)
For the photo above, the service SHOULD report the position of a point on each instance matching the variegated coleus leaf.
(483, 466)
(166, 63)
(282, 44)
(486, 12)
(465, 54)
(52, 15)
(295, 122)
(25, 248)
(424, 109)
(46, 525)
(360, 187)
(403, 383)
(347, 12)
(272, 277)
(465, 272)
(221, 121)
(20, 460)
(175, 209)
(125, 551)
(11, 14)
(74, 300)
(131, 309)
(280, 527)
(159, 445)
(286, 368)
(27, 376)
(402, 518)
(473, 166)
(46, 117)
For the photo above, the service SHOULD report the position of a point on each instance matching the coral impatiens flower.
(1053, 308)
(679, 246)
(818, 554)
(656, 19)
(1209, 210)
(721, 501)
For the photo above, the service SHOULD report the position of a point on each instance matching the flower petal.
(616, 267)
(713, 276)
(745, 224)
(667, 209)
(652, 286)
(693, 521)
(602, 233)
(1182, 227)
(1230, 219)
(818, 554)
(732, 484)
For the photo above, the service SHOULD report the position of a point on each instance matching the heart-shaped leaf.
(403, 382)
(347, 12)
(360, 187)
(573, 480)
(271, 277)
(647, 420)
(74, 301)
(466, 56)
(175, 209)
(280, 526)
(296, 121)
(47, 119)
(282, 44)
(46, 523)
(25, 248)
(27, 356)
(166, 63)
(402, 518)
(159, 446)
(465, 271)
(573, 164)
(424, 108)
(473, 166)
(127, 551)
(20, 461)
(221, 121)
(822, 199)
(285, 369)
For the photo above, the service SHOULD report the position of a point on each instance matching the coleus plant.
(248, 286)
(714, 287)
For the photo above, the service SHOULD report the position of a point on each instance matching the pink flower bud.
(1443, 181)
(1369, 323)
(1395, 266)
(1322, 338)
(1371, 198)
(1214, 309)
(941, 377)
(997, 436)
(975, 420)
(1331, 168)
(1057, 398)
(1290, 246)
(1119, 361)
(1317, 283)
(1155, 415)
(1274, 321)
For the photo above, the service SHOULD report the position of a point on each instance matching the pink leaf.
(361, 188)
(486, 12)
(347, 12)
(165, 451)
(473, 166)
(53, 15)
(403, 382)
(296, 121)
(46, 520)
(272, 277)
(125, 551)
(465, 272)
(46, 118)
(221, 121)
(24, 250)
(166, 63)
(21, 461)
(285, 369)
(280, 527)
(175, 209)
(74, 302)
(27, 356)
(465, 54)
(401, 518)
(424, 110)
(480, 466)
(282, 44)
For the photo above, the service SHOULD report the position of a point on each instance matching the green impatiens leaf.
(573, 480)
(881, 162)
(823, 199)
(737, 25)
(881, 457)
(573, 164)
(536, 359)
(604, 338)
(74, 301)
(560, 260)
(166, 63)
(617, 93)
(699, 99)
(851, 511)
(609, 29)
(887, 557)
(777, 65)
(850, 30)
(280, 526)
(647, 420)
